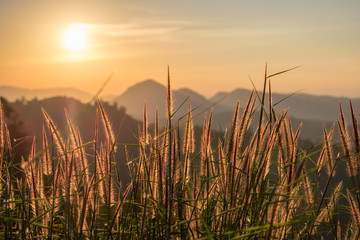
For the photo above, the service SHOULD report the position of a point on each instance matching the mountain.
(300, 105)
(313, 111)
(154, 94)
(15, 93)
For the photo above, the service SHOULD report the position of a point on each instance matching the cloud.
(151, 31)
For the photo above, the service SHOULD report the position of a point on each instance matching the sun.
(74, 37)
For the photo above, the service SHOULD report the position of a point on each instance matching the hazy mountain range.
(300, 105)
(15, 93)
(313, 111)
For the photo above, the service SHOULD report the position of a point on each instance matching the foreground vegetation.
(268, 187)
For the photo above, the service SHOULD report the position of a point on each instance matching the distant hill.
(300, 105)
(154, 94)
(15, 93)
(313, 111)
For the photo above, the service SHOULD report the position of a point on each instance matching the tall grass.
(263, 188)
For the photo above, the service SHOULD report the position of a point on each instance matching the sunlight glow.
(74, 37)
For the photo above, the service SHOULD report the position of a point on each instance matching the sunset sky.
(209, 45)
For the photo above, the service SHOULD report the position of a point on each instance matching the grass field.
(265, 188)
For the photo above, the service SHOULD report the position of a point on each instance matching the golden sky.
(210, 45)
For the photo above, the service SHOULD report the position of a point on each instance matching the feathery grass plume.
(334, 199)
(96, 130)
(232, 170)
(160, 164)
(203, 149)
(246, 118)
(78, 148)
(8, 140)
(293, 205)
(328, 149)
(230, 142)
(165, 154)
(120, 206)
(222, 168)
(309, 198)
(140, 176)
(294, 145)
(355, 127)
(151, 164)
(156, 127)
(2, 147)
(85, 206)
(286, 140)
(231, 148)
(282, 149)
(338, 230)
(263, 100)
(288, 153)
(108, 128)
(270, 143)
(188, 145)
(54, 132)
(209, 148)
(94, 199)
(356, 234)
(169, 106)
(58, 185)
(346, 144)
(111, 145)
(354, 209)
(46, 162)
(174, 167)
(169, 180)
(272, 115)
(321, 159)
(259, 161)
(31, 176)
(295, 153)
(189, 139)
(262, 107)
(2, 143)
(129, 163)
(101, 164)
(145, 134)
(206, 152)
(297, 134)
(169, 98)
(72, 130)
(83, 159)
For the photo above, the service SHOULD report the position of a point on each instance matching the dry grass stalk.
(2, 143)
(307, 189)
(346, 143)
(108, 128)
(78, 149)
(188, 145)
(355, 127)
(55, 133)
(354, 209)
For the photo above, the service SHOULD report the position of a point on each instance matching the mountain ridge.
(17, 93)
(301, 105)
